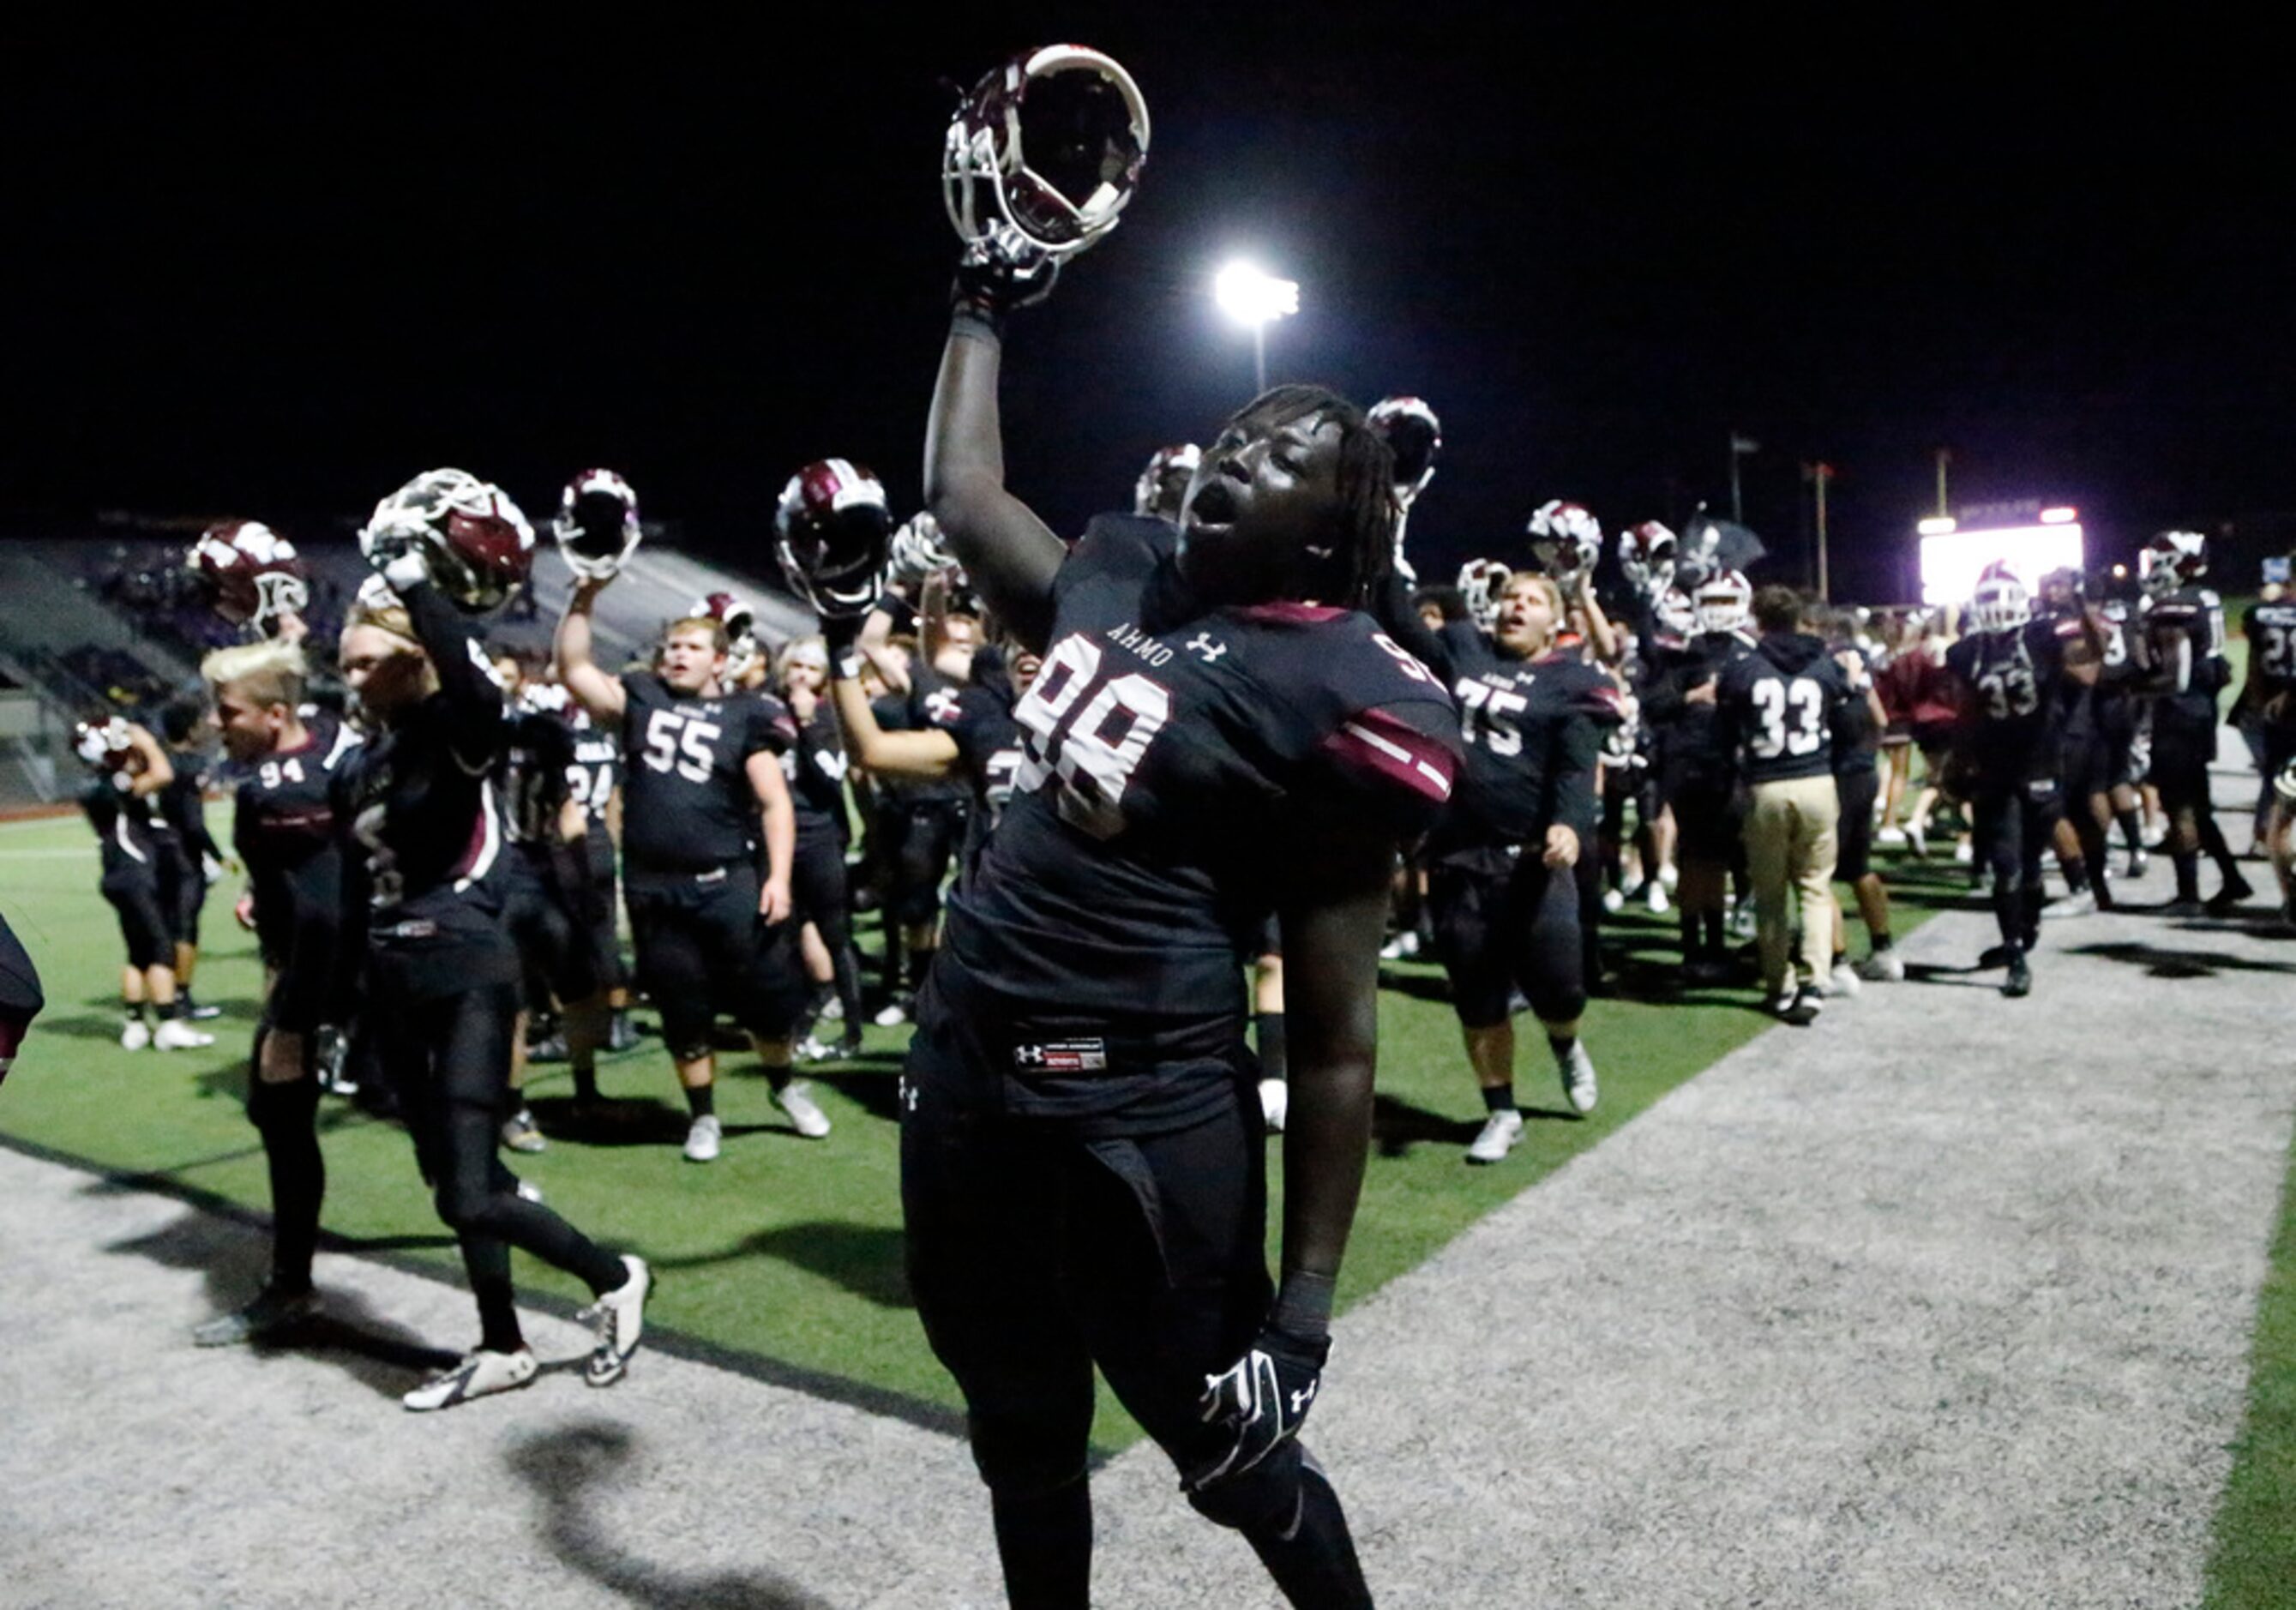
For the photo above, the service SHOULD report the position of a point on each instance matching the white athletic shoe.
(1882, 967)
(1842, 981)
(811, 1049)
(527, 1191)
(1274, 1102)
(805, 1117)
(1961, 855)
(134, 1035)
(1578, 1070)
(2083, 904)
(619, 1316)
(521, 1133)
(1890, 836)
(892, 1016)
(1654, 896)
(1614, 901)
(1500, 1131)
(833, 1011)
(1917, 840)
(176, 1035)
(702, 1138)
(480, 1374)
(1669, 876)
(1402, 947)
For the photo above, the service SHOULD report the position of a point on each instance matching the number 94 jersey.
(2010, 702)
(1171, 757)
(687, 803)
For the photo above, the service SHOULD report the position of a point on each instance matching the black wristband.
(1303, 1305)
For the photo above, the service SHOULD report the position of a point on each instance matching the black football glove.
(993, 278)
(1261, 1400)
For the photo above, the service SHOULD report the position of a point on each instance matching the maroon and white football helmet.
(2169, 560)
(1164, 483)
(1415, 435)
(105, 745)
(2001, 601)
(473, 538)
(1481, 583)
(1646, 557)
(597, 524)
(1043, 153)
(740, 622)
(831, 531)
(250, 573)
(1565, 539)
(1724, 602)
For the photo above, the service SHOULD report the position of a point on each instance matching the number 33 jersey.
(2012, 709)
(1171, 756)
(687, 803)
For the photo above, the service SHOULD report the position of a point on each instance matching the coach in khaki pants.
(1776, 707)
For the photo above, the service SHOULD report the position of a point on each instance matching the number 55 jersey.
(687, 803)
(1172, 756)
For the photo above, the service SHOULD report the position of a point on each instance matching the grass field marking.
(74, 853)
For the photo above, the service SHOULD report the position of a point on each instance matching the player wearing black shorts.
(188, 851)
(819, 889)
(2011, 669)
(1858, 725)
(442, 973)
(1083, 1166)
(1501, 860)
(2184, 637)
(2270, 628)
(283, 830)
(547, 899)
(593, 777)
(122, 805)
(703, 786)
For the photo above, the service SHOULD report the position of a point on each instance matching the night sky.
(274, 273)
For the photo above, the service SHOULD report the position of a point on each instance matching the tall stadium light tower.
(1252, 298)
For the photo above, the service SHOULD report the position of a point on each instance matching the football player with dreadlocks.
(442, 972)
(1217, 731)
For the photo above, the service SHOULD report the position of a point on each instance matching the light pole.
(1252, 298)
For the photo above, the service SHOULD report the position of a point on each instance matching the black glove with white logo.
(1262, 1399)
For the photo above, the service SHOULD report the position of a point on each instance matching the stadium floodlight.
(1951, 562)
(1935, 525)
(1256, 298)
(2059, 516)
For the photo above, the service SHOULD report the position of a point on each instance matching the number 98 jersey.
(1171, 757)
(687, 803)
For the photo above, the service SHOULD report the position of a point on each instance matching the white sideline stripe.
(77, 852)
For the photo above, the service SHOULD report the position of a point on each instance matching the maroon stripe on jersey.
(1375, 741)
(1288, 612)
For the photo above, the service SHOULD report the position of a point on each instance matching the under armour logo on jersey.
(1202, 643)
(1302, 1397)
(1029, 1056)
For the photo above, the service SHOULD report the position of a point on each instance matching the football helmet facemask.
(1724, 603)
(1164, 483)
(473, 538)
(1646, 555)
(1565, 539)
(831, 531)
(1044, 152)
(1675, 613)
(2171, 560)
(740, 622)
(1481, 583)
(1415, 435)
(250, 573)
(597, 524)
(2000, 602)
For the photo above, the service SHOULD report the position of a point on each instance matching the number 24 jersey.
(1171, 756)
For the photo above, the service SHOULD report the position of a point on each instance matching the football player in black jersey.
(1696, 776)
(190, 856)
(442, 973)
(2269, 625)
(283, 829)
(703, 786)
(819, 890)
(2010, 667)
(1215, 732)
(21, 1000)
(2183, 633)
(1502, 860)
(122, 805)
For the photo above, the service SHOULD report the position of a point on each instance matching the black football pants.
(1500, 926)
(449, 1057)
(1035, 1252)
(2013, 826)
(286, 1116)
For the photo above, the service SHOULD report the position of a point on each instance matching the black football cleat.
(2019, 984)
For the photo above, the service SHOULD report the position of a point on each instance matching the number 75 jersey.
(1171, 756)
